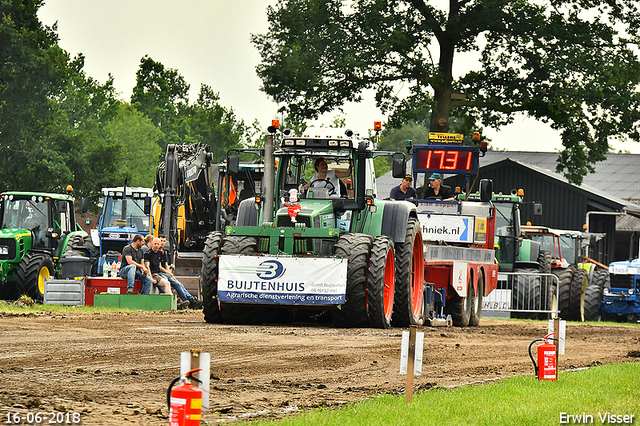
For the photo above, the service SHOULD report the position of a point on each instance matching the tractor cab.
(45, 218)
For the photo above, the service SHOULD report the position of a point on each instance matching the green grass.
(515, 401)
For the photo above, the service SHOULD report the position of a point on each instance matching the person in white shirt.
(325, 178)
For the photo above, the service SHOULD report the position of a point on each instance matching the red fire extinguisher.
(546, 367)
(184, 401)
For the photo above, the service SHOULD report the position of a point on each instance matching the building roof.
(617, 175)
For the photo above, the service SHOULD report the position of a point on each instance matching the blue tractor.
(621, 301)
(125, 212)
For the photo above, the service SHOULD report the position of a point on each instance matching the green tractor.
(36, 229)
(525, 258)
(333, 250)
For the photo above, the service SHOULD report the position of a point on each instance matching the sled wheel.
(476, 307)
(460, 307)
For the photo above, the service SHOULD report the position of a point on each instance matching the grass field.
(590, 396)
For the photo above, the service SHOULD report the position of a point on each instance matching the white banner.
(282, 280)
(453, 229)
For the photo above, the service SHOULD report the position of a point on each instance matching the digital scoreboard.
(445, 154)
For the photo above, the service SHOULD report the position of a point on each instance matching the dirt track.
(115, 368)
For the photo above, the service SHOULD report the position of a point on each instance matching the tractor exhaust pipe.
(269, 180)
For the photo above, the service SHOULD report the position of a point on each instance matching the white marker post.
(560, 328)
(411, 357)
(198, 359)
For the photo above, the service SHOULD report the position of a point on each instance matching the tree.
(570, 63)
(136, 139)
(163, 96)
(33, 68)
(159, 93)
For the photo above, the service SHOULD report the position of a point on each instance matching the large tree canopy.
(163, 95)
(569, 63)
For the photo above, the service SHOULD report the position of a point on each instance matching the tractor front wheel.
(209, 278)
(31, 273)
(355, 248)
(381, 283)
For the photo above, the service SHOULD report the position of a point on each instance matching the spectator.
(404, 191)
(156, 259)
(148, 239)
(436, 190)
(132, 266)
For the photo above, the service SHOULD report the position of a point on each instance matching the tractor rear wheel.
(601, 279)
(476, 307)
(209, 278)
(32, 271)
(408, 300)
(544, 260)
(579, 284)
(460, 308)
(592, 298)
(527, 294)
(564, 290)
(381, 282)
(356, 248)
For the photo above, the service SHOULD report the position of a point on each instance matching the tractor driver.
(325, 178)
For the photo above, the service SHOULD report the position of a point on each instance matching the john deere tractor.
(35, 231)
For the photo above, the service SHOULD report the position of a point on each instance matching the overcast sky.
(208, 41)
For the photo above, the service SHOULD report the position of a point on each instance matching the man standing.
(436, 190)
(404, 191)
(132, 266)
(156, 260)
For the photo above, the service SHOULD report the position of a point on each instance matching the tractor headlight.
(630, 292)
(4, 250)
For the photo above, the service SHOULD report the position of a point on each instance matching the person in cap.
(404, 191)
(436, 190)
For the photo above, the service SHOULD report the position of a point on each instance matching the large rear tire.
(476, 307)
(592, 298)
(407, 307)
(544, 260)
(579, 284)
(564, 290)
(527, 294)
(381, 282)
(209, 278)
(32, 271)
(356, 249)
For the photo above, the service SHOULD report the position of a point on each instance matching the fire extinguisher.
(184, 401)
(546, 367)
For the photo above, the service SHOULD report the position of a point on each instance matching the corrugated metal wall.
(563, 206)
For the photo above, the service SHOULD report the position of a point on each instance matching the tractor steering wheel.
(332, 188)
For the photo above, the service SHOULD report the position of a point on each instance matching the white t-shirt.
(331, 179)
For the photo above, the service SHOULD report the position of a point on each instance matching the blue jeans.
(182, 292)
(132, 273)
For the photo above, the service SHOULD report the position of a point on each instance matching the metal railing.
(524, 295)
